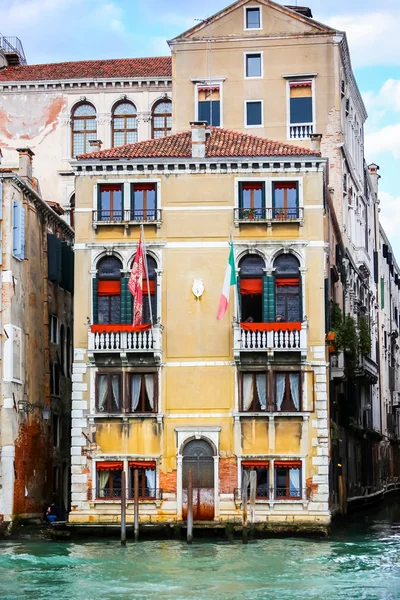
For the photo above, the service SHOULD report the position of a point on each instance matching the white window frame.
(209, 83)
(295, 79)
(262, 64)
(245, 9)
(126, 185)
(11, 331)
(268, 183)
(246, 102)
(54, 322)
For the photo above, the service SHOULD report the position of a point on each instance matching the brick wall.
(228, 478)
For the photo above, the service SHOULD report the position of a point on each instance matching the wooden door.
(198, 456)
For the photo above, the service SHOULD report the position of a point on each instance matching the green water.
(360, 561)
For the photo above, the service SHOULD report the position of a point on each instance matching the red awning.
(255, 463)
(109, 466)
(142, 464)
(213, 88)
(280, 326)
(288, 464)
(117, 328)
(285, 185)
(297, 84)
(109, 288)
(284, 281)
(250, 286)
(144, 187)
(252, 186)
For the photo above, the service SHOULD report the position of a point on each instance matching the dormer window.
(252, 17)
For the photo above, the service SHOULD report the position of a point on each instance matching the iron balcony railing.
(278, 215)
(13, 46)
(151, 215)
(115, 493)
(279, 493)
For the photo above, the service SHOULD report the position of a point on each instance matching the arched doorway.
(198, 455)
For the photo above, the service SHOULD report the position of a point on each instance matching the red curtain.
(280, 326)
(255, 463)
(142, 187)
(300, 84)
(109, 288)
(288, 464)
(151, 284)
(250, 286)
(252, 186)
(142, 464)
(287, 281)
(283, 185)
(115, 328)
(109, 466)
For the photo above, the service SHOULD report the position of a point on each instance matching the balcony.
(123, 340)
(268, 215)
(13, 50)
(127, 218)
(270, 337)
(300, 131)
(367, 369)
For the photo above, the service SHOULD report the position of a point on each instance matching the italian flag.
(229, 280)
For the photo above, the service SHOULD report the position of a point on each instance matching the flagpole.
(236, 287)
(147, 276)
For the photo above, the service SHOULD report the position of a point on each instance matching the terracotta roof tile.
(220, 143)
(91, 69)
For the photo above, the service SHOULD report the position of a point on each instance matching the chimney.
(375, 177)
(199, 130)
(316, 141)
(25, 163)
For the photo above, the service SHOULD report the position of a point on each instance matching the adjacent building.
(36, 269)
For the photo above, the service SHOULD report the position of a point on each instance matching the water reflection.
(359, 561)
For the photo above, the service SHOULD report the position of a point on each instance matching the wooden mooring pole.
(123, 509)
(136, 503)
(190, 508)
(245, 483)
(253, 488)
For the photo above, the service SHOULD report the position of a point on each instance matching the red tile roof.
(220, 143)
(6, 170)
(91, 69)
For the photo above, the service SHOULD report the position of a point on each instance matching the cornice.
(85, 84)
(351, 80)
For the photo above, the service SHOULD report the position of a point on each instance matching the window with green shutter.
(288, 297)
(382, 293)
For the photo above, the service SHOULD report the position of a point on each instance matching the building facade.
(225, 397)
(36, 316)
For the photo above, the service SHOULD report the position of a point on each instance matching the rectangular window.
(53, 329)
(109, 477)
(287, 392)
(285, 200)
(110, 204)
(147, 478)
(56, 431)
(18, 225)
(12, 353)
(109, 393)
(262, 473)
(143, 393)
(253, 18)
(253, 65)
(251, 200)
(109, 301)
(209, 104)
(143, 202)
(288, 480)
(254, 117)
(301, 109)
(55, 373)
(254, 390)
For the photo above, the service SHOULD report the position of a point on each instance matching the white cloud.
(384, 140)
(390, 218)
(373, 36)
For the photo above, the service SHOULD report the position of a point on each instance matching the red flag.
(135, 284)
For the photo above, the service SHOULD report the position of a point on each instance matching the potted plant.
(249, 213)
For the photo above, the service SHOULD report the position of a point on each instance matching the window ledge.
(275, 413)
(125, 224)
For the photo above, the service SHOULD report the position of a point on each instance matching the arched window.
(288, 302)
(84, 128)
(162, 119)
(251, 288)
(108, 294)
(149, 289)
(124, 124)
(72, 211)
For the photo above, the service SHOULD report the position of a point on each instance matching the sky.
(62, 30)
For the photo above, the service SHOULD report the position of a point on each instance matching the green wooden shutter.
(240, 192)
(382, 293)
(95, 287)
(268, 298)
(124, 299)
(300, 299)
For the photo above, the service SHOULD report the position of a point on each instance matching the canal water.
(360, 561)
